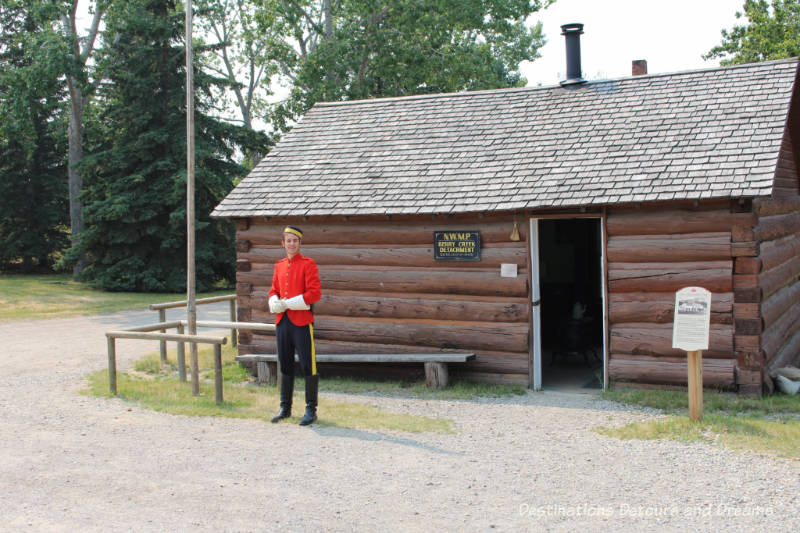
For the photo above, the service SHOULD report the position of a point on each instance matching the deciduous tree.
(352, 49)
(772, 32)
(244, 54)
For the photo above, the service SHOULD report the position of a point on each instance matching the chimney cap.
(572, 27)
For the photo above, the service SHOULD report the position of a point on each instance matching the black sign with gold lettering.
(457, 245)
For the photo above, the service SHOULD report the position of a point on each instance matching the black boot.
(287, 390)
(312, 387)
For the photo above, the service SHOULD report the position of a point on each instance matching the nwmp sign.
(458, 245)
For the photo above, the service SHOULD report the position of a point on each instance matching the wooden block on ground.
(436, 375)
(267, 373)
(748, 377)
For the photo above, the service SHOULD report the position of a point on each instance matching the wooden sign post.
(690, 332)
(695, 360)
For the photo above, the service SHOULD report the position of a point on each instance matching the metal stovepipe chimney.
(572, 36)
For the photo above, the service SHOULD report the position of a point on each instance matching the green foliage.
(713, 402)
(33, 209)
(135, 177)
(765, 425)
(773, 32)
(377, 48)
(134, 166)
(780, 438)
(244, 56)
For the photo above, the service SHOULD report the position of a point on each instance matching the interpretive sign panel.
(692, 319)
(458, 245)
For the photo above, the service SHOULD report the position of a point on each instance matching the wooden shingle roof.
(694, 135)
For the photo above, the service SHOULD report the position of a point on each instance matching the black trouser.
(293, 339)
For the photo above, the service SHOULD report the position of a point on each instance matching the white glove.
(297, 303)
(276, 305)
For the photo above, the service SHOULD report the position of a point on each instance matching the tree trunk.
(77, 101)
(328, 9)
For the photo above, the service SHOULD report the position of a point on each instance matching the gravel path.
(531, 463)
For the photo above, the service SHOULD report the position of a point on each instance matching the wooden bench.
(435, 363)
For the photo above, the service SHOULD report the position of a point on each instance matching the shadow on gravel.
(370, 436)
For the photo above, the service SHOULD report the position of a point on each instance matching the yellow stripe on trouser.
(313, 351)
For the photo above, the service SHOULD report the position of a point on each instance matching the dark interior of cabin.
(570, 282)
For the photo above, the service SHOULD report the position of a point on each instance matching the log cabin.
(530, 225)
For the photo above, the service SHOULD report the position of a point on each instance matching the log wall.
(384, 293)
(651, 253)
(778, 232)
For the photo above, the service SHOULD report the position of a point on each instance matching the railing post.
(162, 345)
(112, 366)
(233, 319)
(218, 372)
(181, 357)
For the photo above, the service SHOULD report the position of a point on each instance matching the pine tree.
(33, 206)
(136, 167)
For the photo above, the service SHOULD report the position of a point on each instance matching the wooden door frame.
(535, 347)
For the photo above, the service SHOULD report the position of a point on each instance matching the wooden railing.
(162, 317)
(157, 332)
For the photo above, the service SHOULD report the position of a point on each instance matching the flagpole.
(191, 305)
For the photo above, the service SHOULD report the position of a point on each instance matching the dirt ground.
(531, 463)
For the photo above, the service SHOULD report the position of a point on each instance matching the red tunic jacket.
(298, 275)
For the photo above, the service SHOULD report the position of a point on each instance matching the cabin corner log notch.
(778, 229)
(242, 245)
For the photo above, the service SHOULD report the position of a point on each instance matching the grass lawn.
(768, 425)
(154, 385)
(27, 297)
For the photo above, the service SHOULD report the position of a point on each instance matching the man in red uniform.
(295, 286)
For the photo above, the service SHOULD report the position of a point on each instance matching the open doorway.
(570, 289)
